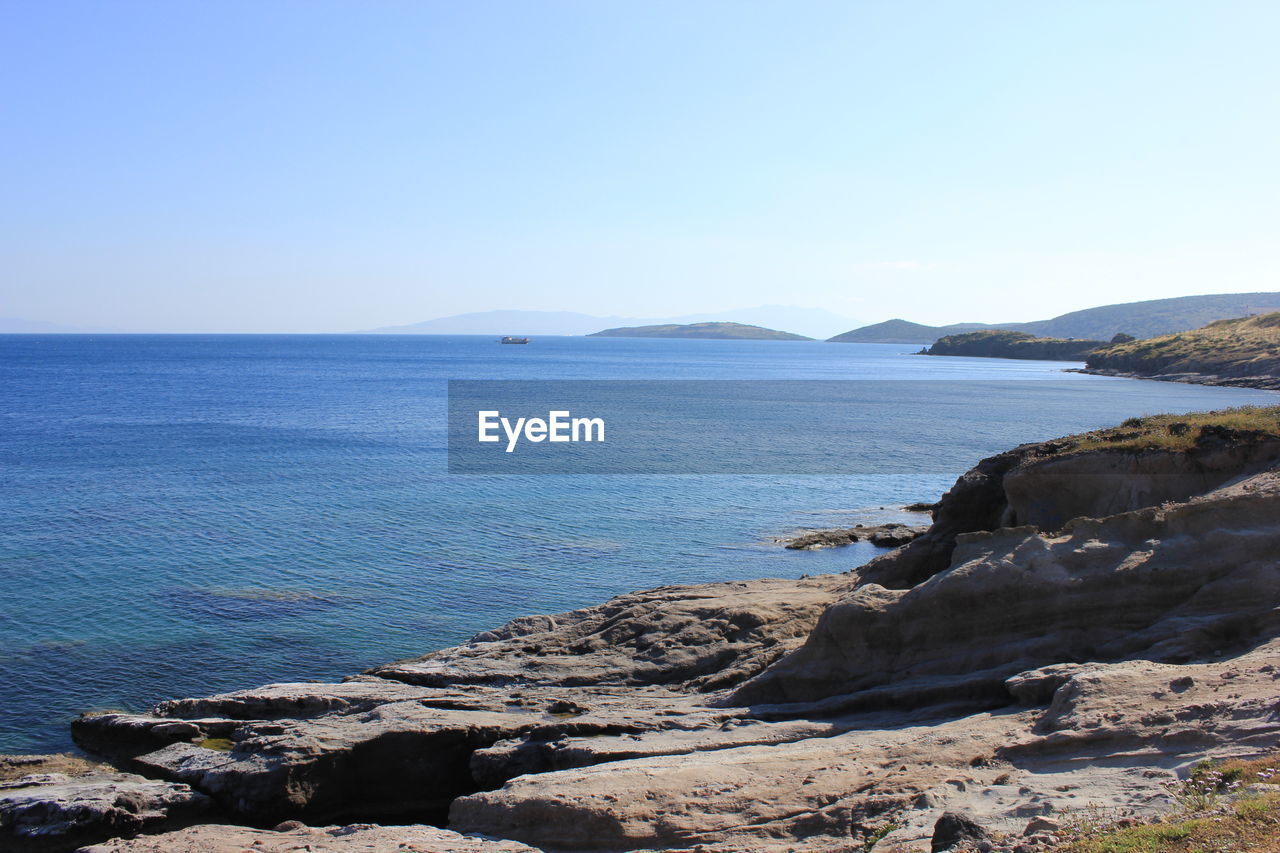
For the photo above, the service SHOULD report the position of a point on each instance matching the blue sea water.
(187, 514)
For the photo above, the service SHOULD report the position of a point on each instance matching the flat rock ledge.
(291, 838)
(1072, 631)
(56, 811)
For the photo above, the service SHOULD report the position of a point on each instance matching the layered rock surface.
(1112, 734)
(1169, 584)
(55, 810)
(891, 535)
(355, 838)
(1075, 627)
(398, 742)
(693, 638)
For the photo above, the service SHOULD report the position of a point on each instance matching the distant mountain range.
(715, 331)
(1140, 319)
(814, 322)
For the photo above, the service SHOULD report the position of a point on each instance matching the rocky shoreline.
(1083, 621)
(888, 535)
(1243, 353)
(1261, 383)
(1002, 343)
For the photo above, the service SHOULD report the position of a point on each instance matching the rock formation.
(399, 740)
(1084, 619)
(57, 810)
(1168, 584)
(890, 535)
(292, 836)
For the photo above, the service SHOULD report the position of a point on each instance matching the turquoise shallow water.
(186, 514)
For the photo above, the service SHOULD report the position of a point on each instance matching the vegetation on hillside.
(1153, 317)
(1231, 349)
(903, 332)
(1177, 432)
(998, 343)
(1141, 319)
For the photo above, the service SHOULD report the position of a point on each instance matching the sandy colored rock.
(890, 535)
(51, 810)
(1107, 739)
(400, 739)
(16, 766)
(409, 755)
(357, 838)
(1169, 584)
(698, 638)
(1001, 673)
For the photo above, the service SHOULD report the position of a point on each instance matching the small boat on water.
(507, 339)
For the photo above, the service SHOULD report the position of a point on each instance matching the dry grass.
(1246, 771)
(1177, 432)
(1251, 825)
(1248, 823)
(1243, 347)
(16, 766)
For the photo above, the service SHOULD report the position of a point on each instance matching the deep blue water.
(188, 514)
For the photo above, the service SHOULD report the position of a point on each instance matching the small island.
(999, 343)
(712, 331)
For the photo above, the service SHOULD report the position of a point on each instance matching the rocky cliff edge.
(1085, 619)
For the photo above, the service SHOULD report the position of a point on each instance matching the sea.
(187, 514)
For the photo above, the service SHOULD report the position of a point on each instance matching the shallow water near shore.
(189, 514)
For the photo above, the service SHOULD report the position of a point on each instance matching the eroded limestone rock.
(356, 838)
(1003, 673)
(56, 811)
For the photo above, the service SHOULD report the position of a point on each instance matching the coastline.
(986, 667)
(1261, 383)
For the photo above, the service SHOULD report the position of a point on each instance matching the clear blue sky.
(317, 166)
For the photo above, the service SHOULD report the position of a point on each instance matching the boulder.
(57, 811)
(954, 829)
(890, 535)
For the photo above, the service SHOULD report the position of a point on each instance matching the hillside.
(1140, 319)
(1226, 352)
(998, 343)
(903, 332)
(1154, 317)
(719, 331)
